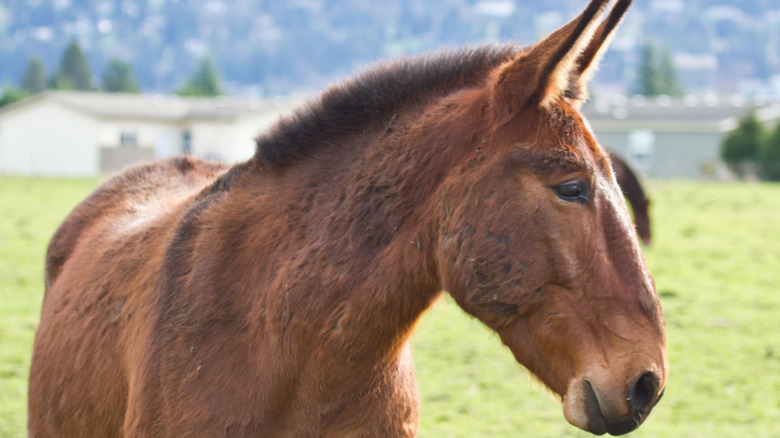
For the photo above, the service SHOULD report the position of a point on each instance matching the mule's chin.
(582, 408)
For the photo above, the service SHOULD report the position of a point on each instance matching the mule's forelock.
(560, 65)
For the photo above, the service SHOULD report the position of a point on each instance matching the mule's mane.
(376, 94)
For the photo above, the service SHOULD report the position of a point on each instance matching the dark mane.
(376, 94)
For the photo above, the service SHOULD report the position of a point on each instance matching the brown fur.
(635, 194)
(276, 297)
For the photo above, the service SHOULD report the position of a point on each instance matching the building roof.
(709, 113)
(155, 107)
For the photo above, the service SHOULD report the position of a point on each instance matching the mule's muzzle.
(643, 394)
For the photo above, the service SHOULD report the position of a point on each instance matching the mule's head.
(536, 239)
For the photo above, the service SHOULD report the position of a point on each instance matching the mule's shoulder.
(122, 191)
(179, 253)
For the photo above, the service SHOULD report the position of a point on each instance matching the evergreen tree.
(204, 83)
(667, 75)
(119, 78)
(769, 156)
(741, 147)
(657, 75)
(647, 81)
(73, 72)
(34, 77)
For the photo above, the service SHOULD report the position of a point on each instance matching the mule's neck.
(353, 238)
(357, 220)
(382, 228)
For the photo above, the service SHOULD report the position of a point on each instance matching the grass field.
(716, 261)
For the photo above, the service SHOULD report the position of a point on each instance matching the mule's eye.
(574, 191)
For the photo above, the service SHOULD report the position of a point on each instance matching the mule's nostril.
(643, 392)
(597, 425)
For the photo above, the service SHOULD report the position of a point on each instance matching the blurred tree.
(9, 95)
(741, 146)
(656, 74)
(119, 78)
(34, 77)
(769, 156)
(204, 83)
(73, 72)
(667, 74)
(647, 79)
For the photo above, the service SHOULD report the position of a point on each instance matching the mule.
(276, 297)
(633, 191)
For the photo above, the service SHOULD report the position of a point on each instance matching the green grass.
(30, 211)
(716, 262)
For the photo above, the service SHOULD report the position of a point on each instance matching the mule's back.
(99, 265)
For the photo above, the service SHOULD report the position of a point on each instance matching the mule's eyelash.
(573, 191)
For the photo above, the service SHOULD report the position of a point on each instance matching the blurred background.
(679, 76)
(688, 95)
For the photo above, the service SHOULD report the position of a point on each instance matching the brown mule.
(633, 191)
(277, 297)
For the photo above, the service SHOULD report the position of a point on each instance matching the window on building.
(641, 145)
(186, 142)
(128, 139)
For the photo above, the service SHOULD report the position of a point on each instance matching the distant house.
(58, 133)
(673, 138)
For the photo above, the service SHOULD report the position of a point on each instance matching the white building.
(58, 133)
(673, 138)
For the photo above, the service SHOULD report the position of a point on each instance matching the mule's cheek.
(544, 356)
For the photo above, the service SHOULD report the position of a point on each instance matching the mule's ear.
(543, 74)
(589, 59)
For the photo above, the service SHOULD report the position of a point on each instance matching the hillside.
(277, 47)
